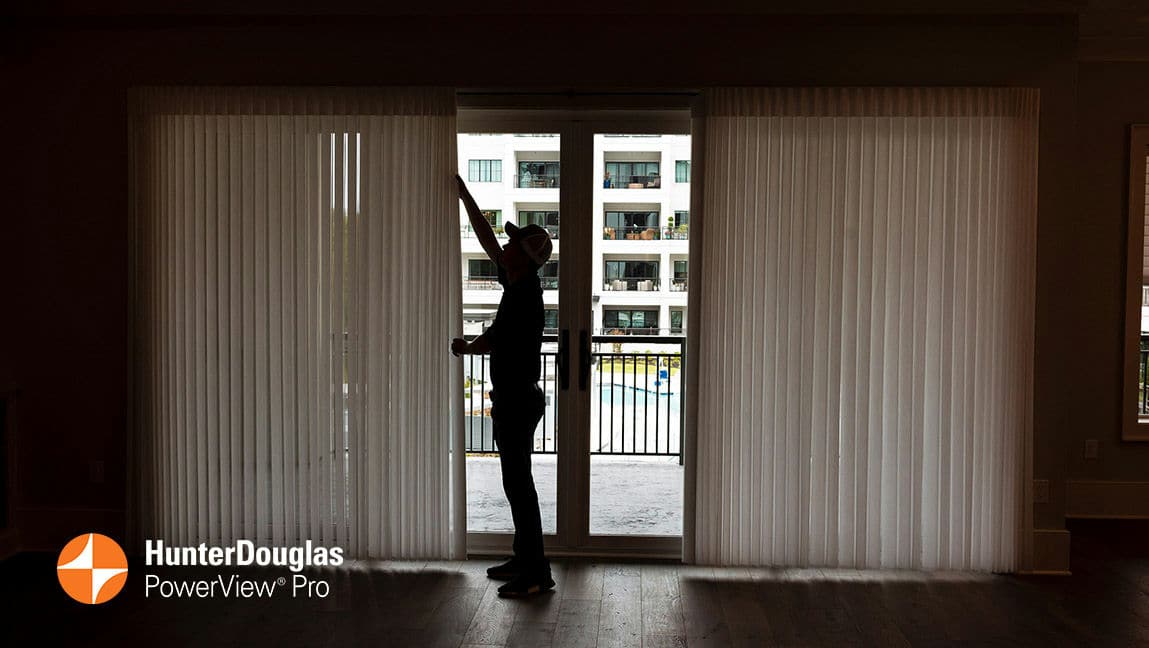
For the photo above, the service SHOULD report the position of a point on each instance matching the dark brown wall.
(65, 335)
(1111, 97)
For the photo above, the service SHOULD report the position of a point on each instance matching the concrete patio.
(629, 495)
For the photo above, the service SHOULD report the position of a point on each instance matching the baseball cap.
(533, 239)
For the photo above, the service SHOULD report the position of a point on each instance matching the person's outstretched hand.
(458, 346)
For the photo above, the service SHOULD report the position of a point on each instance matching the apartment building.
(641, 206)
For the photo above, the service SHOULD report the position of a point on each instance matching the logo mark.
(92, 568)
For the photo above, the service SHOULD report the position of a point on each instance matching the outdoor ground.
(629, 495)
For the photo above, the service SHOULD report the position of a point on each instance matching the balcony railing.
(680, 233)
(633, 182)
(637, 398)
(537, 181)
(630, 233)
(1142, 377)
(638, 284)
(678, 284)
(466, 231)
(479, 282)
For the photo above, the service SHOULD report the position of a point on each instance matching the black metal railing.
(636, 398)
(466, 231)
(638, 284)
(1142, 376)
(480, 282)
(678, 284)
(478, 433)
(630, 233)
(537, 181)
(652, 423)
(633, 182)
(680, 233)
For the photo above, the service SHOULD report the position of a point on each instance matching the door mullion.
(575, 196)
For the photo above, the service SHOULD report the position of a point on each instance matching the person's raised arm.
(479, 223)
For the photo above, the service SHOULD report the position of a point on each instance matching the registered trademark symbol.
(281, 581)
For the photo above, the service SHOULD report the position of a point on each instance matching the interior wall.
(1111, 97)
(65, 331)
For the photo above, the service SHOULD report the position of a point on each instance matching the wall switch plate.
(96, 471)
(1041, 491)
(1091, 448)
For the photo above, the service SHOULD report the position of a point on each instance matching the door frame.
(577, 118)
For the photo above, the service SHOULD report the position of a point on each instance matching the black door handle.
(584, 360)
(563, 359)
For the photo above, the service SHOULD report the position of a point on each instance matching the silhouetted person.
(515, 341)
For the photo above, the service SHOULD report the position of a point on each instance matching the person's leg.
(519, 485)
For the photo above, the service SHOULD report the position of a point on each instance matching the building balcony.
(633, 284)
(533, 181)
(479, 282)
(466, 231)
(630, 233)
(680, 233)
(678, 284)
(633, 182)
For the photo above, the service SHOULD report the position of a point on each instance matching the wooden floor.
(1104, 603)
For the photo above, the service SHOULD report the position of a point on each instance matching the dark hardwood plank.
(578, 623)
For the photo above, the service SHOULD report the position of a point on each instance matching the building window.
(482, 269)
(633, 322)
(678, 282)
(548, 220)
(679, 226)
(549, 275)
(631, 175)
(481, 275)
(631, 275)
(485, 170)
(551, 320)
(494, 216)
(682, 171)
(1135, 414)
(676, 320)
(538, 175)
(630, 225)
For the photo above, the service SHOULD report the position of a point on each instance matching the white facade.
(512, 195)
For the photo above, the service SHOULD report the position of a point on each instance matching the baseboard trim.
(1096, 499)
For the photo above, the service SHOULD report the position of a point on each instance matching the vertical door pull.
(563, 359)
(584, 360)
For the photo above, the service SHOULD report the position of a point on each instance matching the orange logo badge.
(92, 568)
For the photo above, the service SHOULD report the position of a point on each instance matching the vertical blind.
(865, 301)
(293, 302)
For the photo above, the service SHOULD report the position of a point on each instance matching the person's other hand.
(458, 346)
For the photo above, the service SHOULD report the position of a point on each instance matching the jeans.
(514, 417)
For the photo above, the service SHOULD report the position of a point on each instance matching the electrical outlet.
(1091, 448)
(96, 471)
(1041, 491)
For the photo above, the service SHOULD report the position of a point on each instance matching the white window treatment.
(865, 295)
(294, 296)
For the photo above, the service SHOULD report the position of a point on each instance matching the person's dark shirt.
(516, 335)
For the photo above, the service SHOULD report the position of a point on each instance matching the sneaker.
(505, 571)
(524, 585)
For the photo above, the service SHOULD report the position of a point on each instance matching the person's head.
(527, 249)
